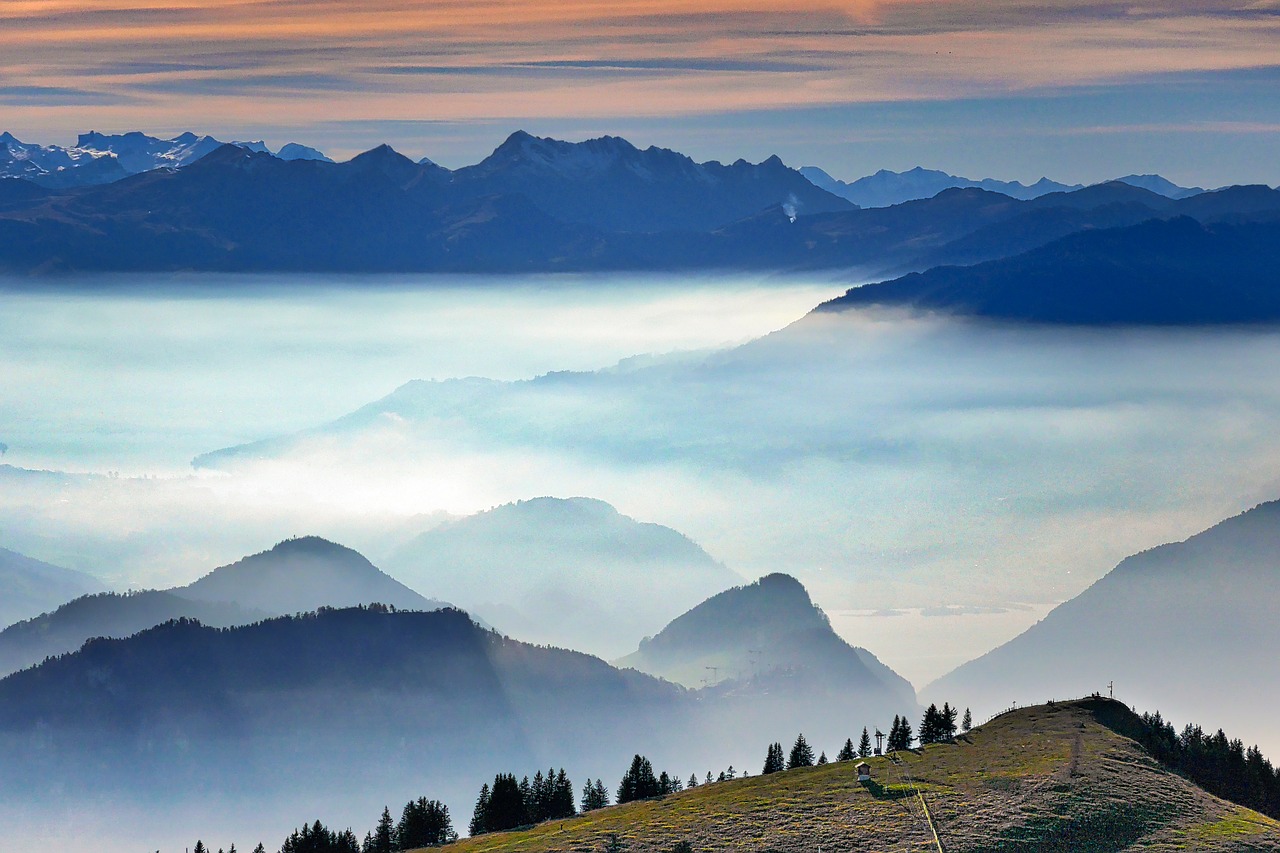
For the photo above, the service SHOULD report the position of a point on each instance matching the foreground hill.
(295, 576)
(1045, 779)
(29, 587)
(1161, 272)
(568, 572)
(1206, 605)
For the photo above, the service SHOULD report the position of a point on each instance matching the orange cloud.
(180, 62)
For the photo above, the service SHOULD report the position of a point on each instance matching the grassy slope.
(1044, 779)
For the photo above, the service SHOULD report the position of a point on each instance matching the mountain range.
(571, 572)
(296, 575)
(354, 706)
(533, 205)
(99, 158)
(886, 188)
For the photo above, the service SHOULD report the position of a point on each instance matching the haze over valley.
(353, 479)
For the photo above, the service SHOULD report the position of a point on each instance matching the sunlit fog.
(938, 485)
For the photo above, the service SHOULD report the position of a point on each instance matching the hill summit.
(769, 638)
(303, 574)
(1050, 779)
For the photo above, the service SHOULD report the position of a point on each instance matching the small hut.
(864, 771)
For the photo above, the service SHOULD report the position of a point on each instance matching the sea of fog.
(937, 484)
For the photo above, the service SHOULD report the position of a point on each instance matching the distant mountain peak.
(297, 151)
(311, 545)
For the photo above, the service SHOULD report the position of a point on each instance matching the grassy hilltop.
(1048, 778)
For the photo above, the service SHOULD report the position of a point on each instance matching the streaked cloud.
(183, 63)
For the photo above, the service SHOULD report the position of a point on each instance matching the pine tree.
(506, 804)
(931, 726)
(948, 721)
(801, 754)
(200, 848)
(693, 781)
(709, 780)
(967, 722)
(638, 783)
(384, 834)
(259, 848)
(895, 732)
(822, 759)
(846, 752)
(479, 823)
(773, 759)
(904, 734)
(864, 744)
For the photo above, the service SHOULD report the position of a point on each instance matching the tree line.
(1220, 765)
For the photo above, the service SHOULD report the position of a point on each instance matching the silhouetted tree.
(774, 760)
(932, 726)
(506, 804)
(384, 834)
(638, 783)
(200, 848)
(846, 752)
(424, 823)
(801, 754)
(594, 796)
(479, 817)
(967, 722)
(899, 734)
(693, 781)
(948, 728)
(864, 744)
(822, 758)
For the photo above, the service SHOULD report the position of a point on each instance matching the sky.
(1079, 91)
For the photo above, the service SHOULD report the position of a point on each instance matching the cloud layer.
(179, 63)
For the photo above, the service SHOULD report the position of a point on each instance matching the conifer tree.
(864, 744)
(774, 760)
(709, 777)
(506, 804)
(948, 721)
(846, 752)
(693, 781)
(200, 848)
(479, 823)
(638, 783)
(904, 734)
(931, 726)
(895, 732)
(966, 723)
(822, 759)
(801, 754)
(260, 848)
(384, 834)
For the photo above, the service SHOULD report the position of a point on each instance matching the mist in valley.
(937, 485)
